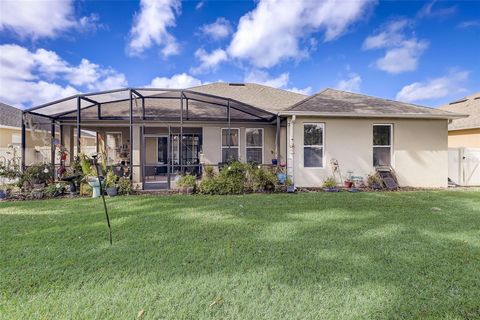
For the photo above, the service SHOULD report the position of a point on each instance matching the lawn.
(282, 256)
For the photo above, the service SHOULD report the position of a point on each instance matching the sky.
(422, 52)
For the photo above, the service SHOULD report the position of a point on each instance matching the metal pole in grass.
(95, 162)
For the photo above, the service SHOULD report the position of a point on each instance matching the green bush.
(264, 180)
(187, 181)
(208, 172)
(329, 182)
(209, 186)
(35, 174)
(124, 186)
(238, 178)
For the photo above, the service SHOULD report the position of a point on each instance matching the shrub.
(187, 181)
(110, 180)
(55, 189)
(329, 182)
(35, 174)
(374, 180)
(124, 186)
(209, 186)
(238, 178)
(208, 172)
(264, 180)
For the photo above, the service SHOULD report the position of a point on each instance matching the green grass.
(304, 256)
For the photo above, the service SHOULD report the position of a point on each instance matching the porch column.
(131, 135)
(229, 140)
(180, 142)
(52, 148)
(24, 140)
(277, 140)
(79, 131)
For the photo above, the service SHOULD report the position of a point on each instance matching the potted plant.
(330, 185)
(124, 186)
(274, 160)
(111, 184)
(348, 183)
(290, 186)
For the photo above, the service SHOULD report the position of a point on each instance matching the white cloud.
(401, 53)
(352, 83)
(435, 88)
(43, 19)
(305, 91)
(390, 35)
(26, 76)
(37, 19)
(177, 81)
(200, 5)
(280, 82)
(404, 58)
(274, 30)
(150, 27)
(428, 10)
(218, 30)
(262, 77)
(469, 24)
(209, 61)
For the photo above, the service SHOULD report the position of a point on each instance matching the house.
(158, 134)
(39, 144)
(464, 132)
(464, 141)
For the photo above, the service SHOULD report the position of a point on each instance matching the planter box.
(331, 189)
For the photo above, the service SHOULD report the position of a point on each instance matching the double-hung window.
(230, 144)
(254, 145)
(313, 147)
(382, 145)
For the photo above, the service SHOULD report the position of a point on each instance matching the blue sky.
(424, 52)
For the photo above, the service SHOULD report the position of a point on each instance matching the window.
(254, 145)
(230, 144)
(382, 145)
(16, 139)
(313, 145)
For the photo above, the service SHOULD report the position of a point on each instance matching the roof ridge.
(306, 99)
(385, 99)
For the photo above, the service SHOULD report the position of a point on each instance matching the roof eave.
(371, 115)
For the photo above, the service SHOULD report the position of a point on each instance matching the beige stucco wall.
(420, 156)
(469, 138)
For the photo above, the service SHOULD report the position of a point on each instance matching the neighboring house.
(178, 131)
(464, 132)
(464, 141)
(38, 141)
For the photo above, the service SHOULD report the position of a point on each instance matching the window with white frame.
(230, 144)
(313, 145)
(16, 139)
(382, 145)
(254, 145)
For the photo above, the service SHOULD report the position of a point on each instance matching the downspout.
(291, 149)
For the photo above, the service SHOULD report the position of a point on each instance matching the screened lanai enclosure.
(150, 135)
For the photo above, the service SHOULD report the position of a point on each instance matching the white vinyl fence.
(464, 166)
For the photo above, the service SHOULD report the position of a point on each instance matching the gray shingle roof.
(332, 102)
(469, 105)
(10, 116)
(259, 96)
